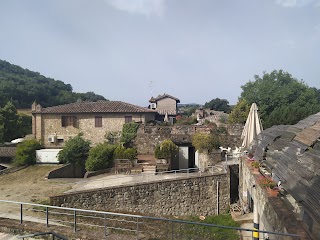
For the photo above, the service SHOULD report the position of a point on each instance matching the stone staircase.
(149, 169)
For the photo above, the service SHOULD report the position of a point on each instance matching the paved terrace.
(111, 180)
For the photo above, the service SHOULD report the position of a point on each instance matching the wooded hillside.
(23, 87)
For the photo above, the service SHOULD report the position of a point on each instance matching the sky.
(130, 50)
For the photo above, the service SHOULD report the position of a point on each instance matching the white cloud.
(293, 3)
(144, 7)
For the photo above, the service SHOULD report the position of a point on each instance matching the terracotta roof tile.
(96, 107)
(163, 96)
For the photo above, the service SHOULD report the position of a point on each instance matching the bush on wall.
(125, 153)
(75, 150)
(100, 157)
(166, 149)
(26, 152)
(129, 132)
(205, 142)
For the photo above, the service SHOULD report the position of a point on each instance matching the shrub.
(125, 153)
(166, 149)
(112, 137)
(26, 152)
(205, 142)
(129, 132)
(186, 121)
(131, 153)
(255, 164)
(100, 157)
(266, 182)
(75, 150)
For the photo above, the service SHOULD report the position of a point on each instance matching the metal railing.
(106, 224)
(53, 234)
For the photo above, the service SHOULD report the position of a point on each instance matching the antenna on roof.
(151, 86)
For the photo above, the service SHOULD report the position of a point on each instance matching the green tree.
(239, 113)
(205, 142)
(26, 152)
(23, 87)
(9, 122)
(100, 157)
(75, 150)
(278, 90)
(129, 132)
(218, 104)
(167, 149)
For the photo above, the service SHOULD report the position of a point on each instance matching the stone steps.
(149, 169)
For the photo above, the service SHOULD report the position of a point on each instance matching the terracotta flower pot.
(272, 192)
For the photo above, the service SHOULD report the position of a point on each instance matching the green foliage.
(125, 153)
(24, 125)
(278, 92)
(186, 121)
(205, 142)
(23, 87)
(26, 152)
(212, 232)
(166, 149)
(100, 157)
(9, 122)
(239, 113)
(131, 153)
(218, 104)
(75, 150)
(129, 132)
(112, 137)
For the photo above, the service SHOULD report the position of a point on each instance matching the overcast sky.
(195, 50)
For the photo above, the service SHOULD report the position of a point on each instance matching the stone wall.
(273, 214)
(189, 196)
(149, 136)
(167, 105)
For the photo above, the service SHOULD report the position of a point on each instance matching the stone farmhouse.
(165, 105)
(55, 125)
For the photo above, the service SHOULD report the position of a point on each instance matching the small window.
(69, 121)
(98, 121)
(128, 119)
(153, 105)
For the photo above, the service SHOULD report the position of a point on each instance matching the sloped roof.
(293, 152)
(96, 107)
(162, 97)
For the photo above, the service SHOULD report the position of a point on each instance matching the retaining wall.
(188, 196)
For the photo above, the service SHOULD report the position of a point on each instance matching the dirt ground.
(30, 184)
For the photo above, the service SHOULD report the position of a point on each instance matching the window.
(153, 105)
(69, 121)
(128, 119)
(98, 121)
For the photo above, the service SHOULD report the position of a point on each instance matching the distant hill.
(23, 87)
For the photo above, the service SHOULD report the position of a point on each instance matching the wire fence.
(107, 224)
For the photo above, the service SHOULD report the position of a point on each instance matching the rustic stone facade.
(189, 196)
(49, 125)
(149, 136)
(167, 105)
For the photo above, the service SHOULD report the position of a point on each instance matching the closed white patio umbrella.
(252, 127)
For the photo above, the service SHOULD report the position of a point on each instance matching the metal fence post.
(75, 221)
(47, 216)
(105, 226)
(137, 228)
(171, 230)
(21, 213)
